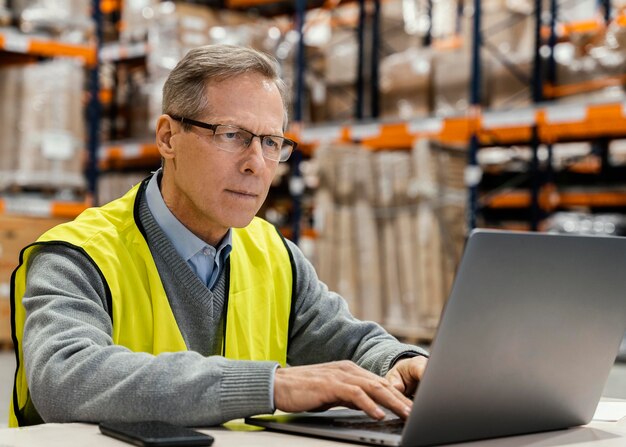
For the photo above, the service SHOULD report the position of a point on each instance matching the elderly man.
(175, 302)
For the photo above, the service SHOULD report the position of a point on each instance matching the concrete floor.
(615, 387)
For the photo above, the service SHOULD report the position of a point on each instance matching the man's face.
(208, 189)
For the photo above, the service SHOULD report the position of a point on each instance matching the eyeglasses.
(235, 139)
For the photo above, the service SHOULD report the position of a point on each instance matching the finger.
(396, 381)
(355, 397)
(385, 394)
(378, 389)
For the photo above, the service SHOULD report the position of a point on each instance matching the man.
(174, 303)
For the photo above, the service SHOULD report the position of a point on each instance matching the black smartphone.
(154, 433)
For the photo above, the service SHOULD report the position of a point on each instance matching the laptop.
(525, 344)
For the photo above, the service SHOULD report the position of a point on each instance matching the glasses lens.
(234, 139)
(285, 151)
(272, 147)
(231, 139)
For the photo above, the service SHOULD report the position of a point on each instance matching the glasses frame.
(213, 128)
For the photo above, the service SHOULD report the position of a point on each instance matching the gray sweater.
(76, 373)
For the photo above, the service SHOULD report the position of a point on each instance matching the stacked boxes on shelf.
(42, 104)
(64, 20)
(41, 117)
(16, 232)
(391, 231)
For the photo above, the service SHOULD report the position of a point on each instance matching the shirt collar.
(184, 241)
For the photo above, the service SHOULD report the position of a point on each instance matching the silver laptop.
(525, 344)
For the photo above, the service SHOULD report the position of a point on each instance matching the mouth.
(243, 194)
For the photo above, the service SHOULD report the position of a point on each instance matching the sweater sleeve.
(76, 373)
(324, 330)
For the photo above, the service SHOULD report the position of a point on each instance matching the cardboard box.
(405, 84)
(16, 232)
(5, 324)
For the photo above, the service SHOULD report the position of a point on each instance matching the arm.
(324, 331)
(76, 373)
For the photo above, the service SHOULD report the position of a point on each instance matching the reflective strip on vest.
(259, 298)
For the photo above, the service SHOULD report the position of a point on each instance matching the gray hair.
(183, 92)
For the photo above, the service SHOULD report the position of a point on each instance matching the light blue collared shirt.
(205, 260)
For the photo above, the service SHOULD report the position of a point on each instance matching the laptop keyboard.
(391, 426)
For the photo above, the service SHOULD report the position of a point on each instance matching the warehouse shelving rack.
(552, 123)
(546, 121)
(28, 48)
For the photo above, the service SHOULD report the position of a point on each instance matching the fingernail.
(407, 411)
(380, 414)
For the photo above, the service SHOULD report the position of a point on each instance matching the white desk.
(605, 434)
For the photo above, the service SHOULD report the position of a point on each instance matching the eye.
(271, 143)
(231, 135)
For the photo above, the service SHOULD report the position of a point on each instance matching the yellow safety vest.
(259, 295)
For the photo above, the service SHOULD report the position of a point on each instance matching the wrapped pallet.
(405, 84)
(390, 230)
(47, 140)
(67, 20)
(52, 127)
(9, 109)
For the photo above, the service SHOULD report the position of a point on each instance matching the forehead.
(249, 100)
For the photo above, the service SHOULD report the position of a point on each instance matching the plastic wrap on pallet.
(68, 20)
(451, 74)
(390, 230)
(45, 138)
(174, 28)
(405, 83)
(576, 65)
(404, 24)
(137, 17)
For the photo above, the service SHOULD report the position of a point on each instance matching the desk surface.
(597, 433)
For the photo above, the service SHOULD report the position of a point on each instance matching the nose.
(253, 158)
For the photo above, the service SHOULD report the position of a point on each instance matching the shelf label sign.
(566, 113)
(131, 151)
(16, 43)
(362, 131)
(116, 52)
(28, 206)
(508, 118)
(320, 134)
(426, 125)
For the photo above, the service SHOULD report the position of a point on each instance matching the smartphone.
(154, 433)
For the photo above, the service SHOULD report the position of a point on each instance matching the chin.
(241, 222)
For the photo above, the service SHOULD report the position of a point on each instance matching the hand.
(406, 374)
(325, 385)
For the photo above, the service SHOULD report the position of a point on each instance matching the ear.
(165, 129)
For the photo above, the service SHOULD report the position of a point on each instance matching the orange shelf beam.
(69, 209)
(51, 48)
(64, 210)
(558, 91)
(117, 155)
(599, 121)
(550, 199)
(391, 136)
